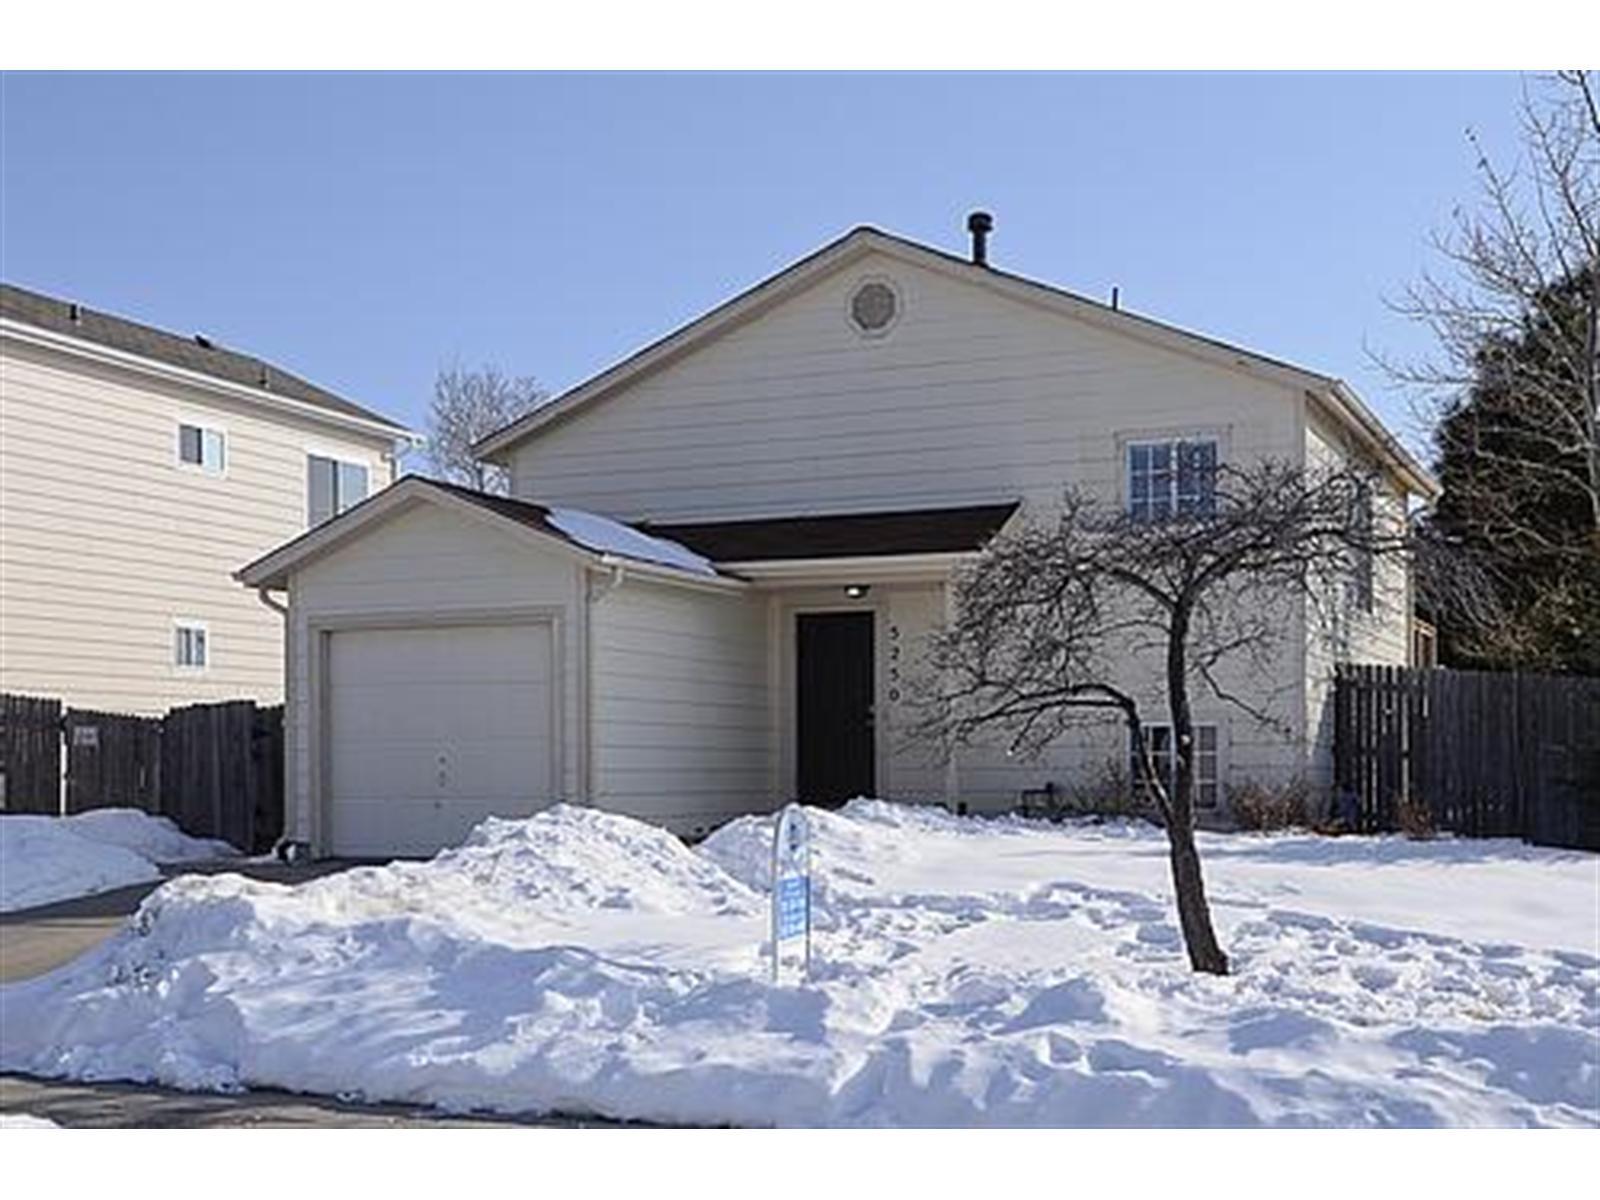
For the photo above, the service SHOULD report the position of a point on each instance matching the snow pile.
(25, 1121)
(606, 536)
(156, 838)
(967, 972)
(42, 861)
(47, 859)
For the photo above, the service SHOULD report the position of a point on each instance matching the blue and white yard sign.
(791, 888)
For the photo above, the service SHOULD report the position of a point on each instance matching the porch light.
(857, 590)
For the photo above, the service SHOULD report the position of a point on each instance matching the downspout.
(264, 595)
(595, 595)
(287, 850)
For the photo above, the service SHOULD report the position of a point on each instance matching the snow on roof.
(606, 536)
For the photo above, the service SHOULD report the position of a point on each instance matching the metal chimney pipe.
(980, 225)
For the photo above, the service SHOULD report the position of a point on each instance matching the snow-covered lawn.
(47, 859)
(968, 972)
(25, 1121)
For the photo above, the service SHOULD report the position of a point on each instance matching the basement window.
(332, 486)
(1207, 781)
(203, 449)
(191, 649)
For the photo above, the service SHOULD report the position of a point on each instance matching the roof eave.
(271, 572)
(66, 343)
(1355, 413)
(740, 308)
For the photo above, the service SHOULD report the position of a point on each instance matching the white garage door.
(431, 730)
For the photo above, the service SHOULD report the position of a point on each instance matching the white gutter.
(872, 568)
(1355, 411)
(51, 340)
(664, 574)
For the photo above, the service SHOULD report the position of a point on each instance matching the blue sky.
(365, 229)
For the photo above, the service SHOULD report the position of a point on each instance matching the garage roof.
(689, 552)
(844, 535)
(597, 537)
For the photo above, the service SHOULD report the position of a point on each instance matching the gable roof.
(195, 354)
(868, 534)
(864, 240)
(594, 538)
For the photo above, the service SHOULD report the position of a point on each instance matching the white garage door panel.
(431, 730)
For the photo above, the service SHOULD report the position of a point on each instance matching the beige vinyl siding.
(1382, 636)
(427, 566)
(681, 704)
(971, 397)
(105, 539)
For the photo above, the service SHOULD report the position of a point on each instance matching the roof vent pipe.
(980, 225)
(75, 313)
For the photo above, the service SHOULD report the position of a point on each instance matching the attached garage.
(445, 664)
(431, 729)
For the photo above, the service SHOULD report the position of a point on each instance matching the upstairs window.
(203, 449)
(1164, 758)
(190, 648)
(1172, 478)
(332, 487)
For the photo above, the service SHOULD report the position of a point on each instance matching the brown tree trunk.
(1194, 913)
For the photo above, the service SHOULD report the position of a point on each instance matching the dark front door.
(834, 738)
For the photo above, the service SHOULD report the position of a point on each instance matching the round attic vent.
(874, 306)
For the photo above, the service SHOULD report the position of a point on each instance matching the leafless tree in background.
(467, 406)
(1058, 619)
(1514, 395)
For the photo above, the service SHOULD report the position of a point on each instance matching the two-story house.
(137, 469)
(709, 592)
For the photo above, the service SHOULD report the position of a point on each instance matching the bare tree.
(1513, 393)
(1062, 618)
(467, 406)
(1534, 241)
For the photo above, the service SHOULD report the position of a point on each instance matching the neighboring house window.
(1361, 584)
(1206, 777)
(333, 486)
(1177, 477)
(202, 448)
(191, 647)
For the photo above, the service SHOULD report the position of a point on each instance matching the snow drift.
(968, 972)
(156, 838)
(47, 859)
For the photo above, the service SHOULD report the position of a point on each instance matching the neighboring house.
(138, 468)
(802, 468)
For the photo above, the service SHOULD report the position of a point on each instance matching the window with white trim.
(191, 645)
(202, 448)
(332, 486)
(1207, 777)
(1175, 477)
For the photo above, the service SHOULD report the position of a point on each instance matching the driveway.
(137, 1106)
(36, 940)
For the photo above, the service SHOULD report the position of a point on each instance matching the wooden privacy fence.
(215, 769)
(30, 754)
(222, 772)
(1482, 753)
